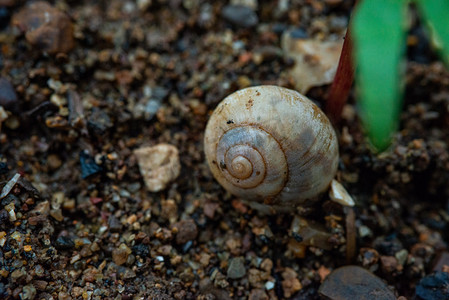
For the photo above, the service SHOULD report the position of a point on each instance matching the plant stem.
(341, 86)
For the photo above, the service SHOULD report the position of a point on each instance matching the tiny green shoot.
(379, 29)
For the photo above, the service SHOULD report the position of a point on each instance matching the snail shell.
(271, 145)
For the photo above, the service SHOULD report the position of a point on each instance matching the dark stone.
(99, 122)
(434, 287)
(236, 269)
(354, 282)
(307, 293)
(388, 245)
(4, 217)
(3, 168)
(441, 261)
(240, 16)
(3, 290)
(141, 250)
(28, 186)
(10, 198)
(88, 165)
(279, 28)
(4, 17)
(186, 247)
(298, 33)
(114, 224)
(159, 93)
(64, 243)
(420, 52)
(8, 96)
(297, 237)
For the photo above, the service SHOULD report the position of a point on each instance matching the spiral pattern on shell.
(272, 145)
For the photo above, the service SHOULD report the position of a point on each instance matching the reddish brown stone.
(389, 263)
(187, 231)
(45, 27)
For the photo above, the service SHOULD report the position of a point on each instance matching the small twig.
(351, 234)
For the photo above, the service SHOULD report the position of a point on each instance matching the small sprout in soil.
(379, 34)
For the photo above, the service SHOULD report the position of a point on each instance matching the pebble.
(442, 262)
(12, 122)
(40, 285)
(401, 256)
(64, 243)
(298, 33)
(310, 233)
(3, 114)
(57, 214)
(253, 4)
(46, 27)
(88, 165)
(7, 3)
(159, 165)
(114, 224)
(8, 96)
(290, 284)
(187, 247)
(240, 16)
(39, 270)
(99, 122)
(236, 268)
(10, 208)
(389, 264)
(5, 15)
(143, 4)
(9, 185)
(369, 257)
(365, 231)
(269, 285)
(354, 282)
(258, 294)
(315, 61)
(120, 255)
(187, 231)
(4, 218)
(141, 250)
(339, 194)
(28, 292)
(169, 210)
(53, 161)
(434, 287)
(43, 209)
(209, 209)
(17, 274)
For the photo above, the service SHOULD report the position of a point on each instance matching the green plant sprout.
(378, 35)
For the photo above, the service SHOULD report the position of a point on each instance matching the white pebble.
(269, 285)
(159, 165)
(339, 194)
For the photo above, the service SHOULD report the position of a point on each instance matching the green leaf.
(436, 15)
(379, 42)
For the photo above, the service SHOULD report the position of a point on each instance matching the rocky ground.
(88, 88)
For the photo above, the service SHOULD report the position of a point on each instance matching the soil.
(80, 223)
